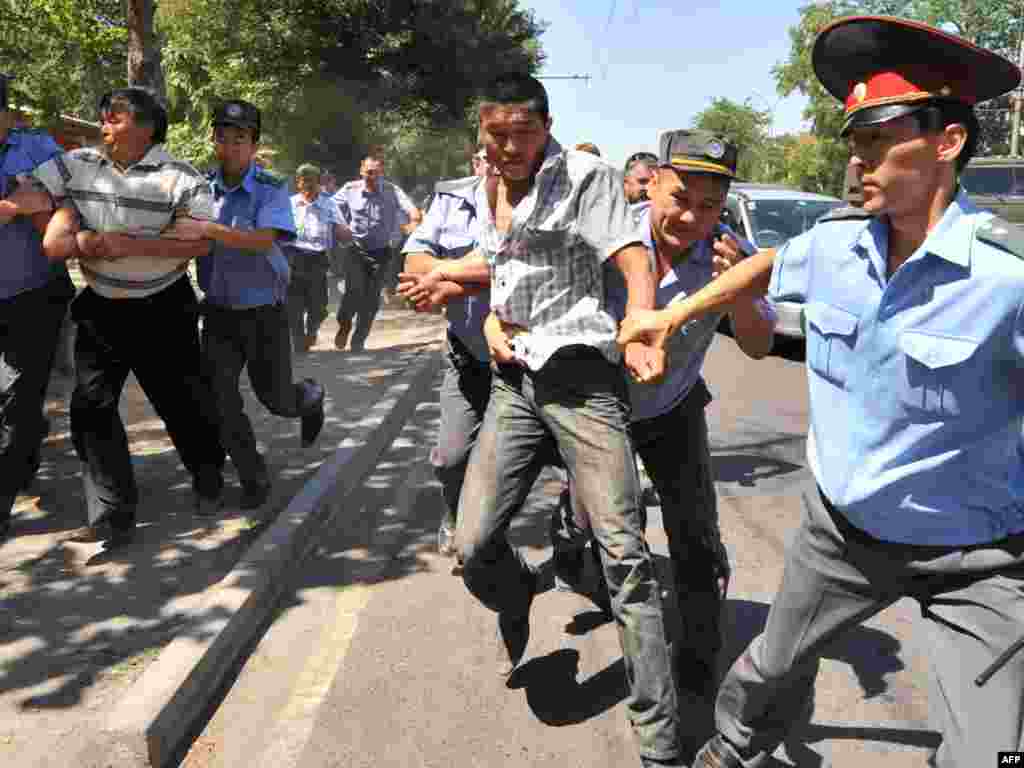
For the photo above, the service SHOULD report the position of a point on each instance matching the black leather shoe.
(312, 411)
(568, 568)
(514, 634)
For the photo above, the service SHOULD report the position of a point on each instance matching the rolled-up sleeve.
(791, 270)
(194, 198)
(604, 220)
(275, 212)
(426, 238)
(54, 174)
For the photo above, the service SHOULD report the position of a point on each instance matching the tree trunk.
(144, 67)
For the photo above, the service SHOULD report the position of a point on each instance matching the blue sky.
(660, 63)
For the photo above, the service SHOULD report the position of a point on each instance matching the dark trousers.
(307, 293)
(837, 577)
(364, 273)
(29, 327)
(674, 448)
(256, 338)
(575, 404)
(157, 339)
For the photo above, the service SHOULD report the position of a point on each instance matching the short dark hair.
(647, 158)
(935, 116)
(143, 105)
(514, 88)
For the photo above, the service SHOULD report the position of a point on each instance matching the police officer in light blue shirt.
(687, 192)
(34, 295)
(245, 278)
(318, 227)
(377, 212)
(914, 312)
(449, 231)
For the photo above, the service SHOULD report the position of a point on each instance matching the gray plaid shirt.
(546, 271)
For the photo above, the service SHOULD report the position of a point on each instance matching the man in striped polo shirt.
(119, 207)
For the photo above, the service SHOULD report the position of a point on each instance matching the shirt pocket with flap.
(831, 337)
(941, 374)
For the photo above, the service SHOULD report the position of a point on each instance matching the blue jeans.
(576, 404)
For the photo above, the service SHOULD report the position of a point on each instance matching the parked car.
(768, 215)
(997, 184)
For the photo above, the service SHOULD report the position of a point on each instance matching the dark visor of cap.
(879, 114)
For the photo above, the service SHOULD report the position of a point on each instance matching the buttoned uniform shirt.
(375, 218)
(23, 266)
(449, 231)
(547, 271)
(141, 200)
(915, 380)
(686, 349)
(233, 277)
(314, 223)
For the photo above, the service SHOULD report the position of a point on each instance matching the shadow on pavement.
(870, 653)
(73, 615)
(747, 470)
(555, 696)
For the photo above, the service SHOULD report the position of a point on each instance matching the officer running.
(245, 279)
(449, 232)
(915, 347)
(318, 227)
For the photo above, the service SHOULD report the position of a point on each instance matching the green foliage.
(994, 24)
(63, 53)
(335, 77)
(744, 126)
(332, 77)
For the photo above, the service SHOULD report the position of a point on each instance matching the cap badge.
(234, 110)
(860, 92)
(715, 149)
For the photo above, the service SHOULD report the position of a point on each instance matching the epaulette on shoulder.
(451, 186)
(846, 213)
(263, 176)
(1002, 234)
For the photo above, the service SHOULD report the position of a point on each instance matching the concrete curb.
(152, 721)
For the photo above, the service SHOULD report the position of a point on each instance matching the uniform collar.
(248, 180)
(951, 239)
(300, 200)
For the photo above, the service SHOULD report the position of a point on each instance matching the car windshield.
(776, 221)
(993, 180)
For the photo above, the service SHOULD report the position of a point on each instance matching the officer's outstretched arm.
(749, 278)
(753, 325)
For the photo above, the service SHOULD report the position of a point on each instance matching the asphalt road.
(379, 657)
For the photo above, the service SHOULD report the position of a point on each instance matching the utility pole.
(1017, 95)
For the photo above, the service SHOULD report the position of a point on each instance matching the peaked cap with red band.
(884, 68)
